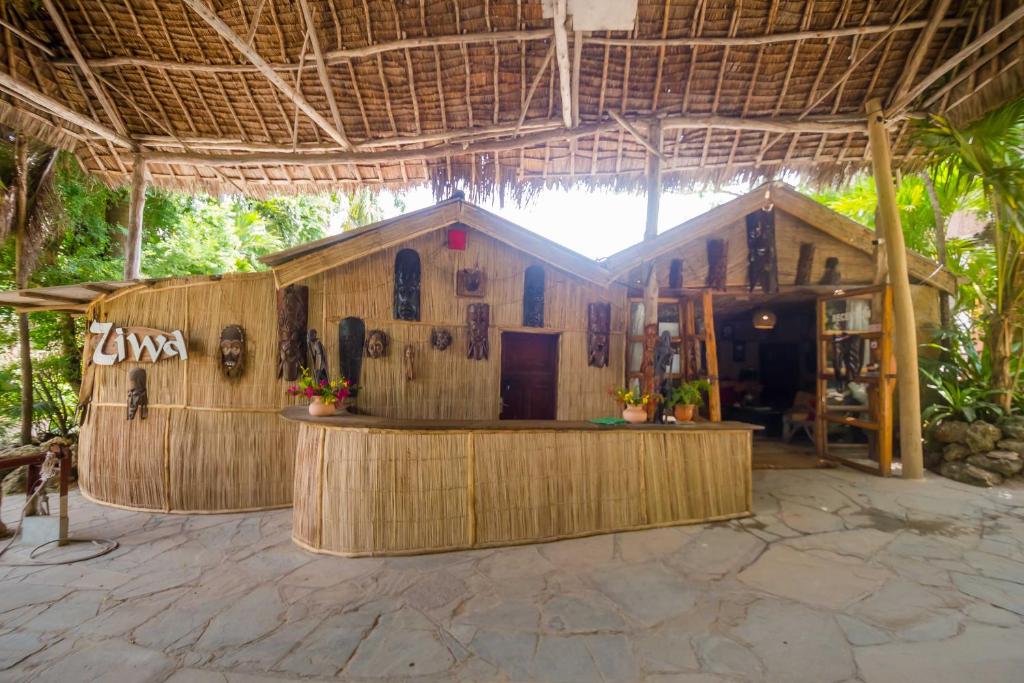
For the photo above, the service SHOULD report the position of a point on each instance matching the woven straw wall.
(383, 492)
(447, 384)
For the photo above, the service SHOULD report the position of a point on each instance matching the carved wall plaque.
(440, 338)
(351, 338)
(232, 351)
(377, 344)
(477, 321)
(317, 358)
(533, 297)
(292, 312)
(470, 282)
(805, 264)
(407, 285)
(409, 362)
(762, 264)
(138, 396)
(598, 334)
(832, 275)
(718, 262)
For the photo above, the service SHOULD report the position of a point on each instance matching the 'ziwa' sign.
(115, 344)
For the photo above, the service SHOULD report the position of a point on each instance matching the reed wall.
(362, 491)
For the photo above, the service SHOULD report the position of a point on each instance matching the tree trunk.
(1000, 346)
(940, 242)
(21, 281)
(71, 352)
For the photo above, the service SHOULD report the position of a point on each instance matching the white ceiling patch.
(598, 15)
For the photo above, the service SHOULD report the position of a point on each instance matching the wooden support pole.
(711, 356)
(133, 241)
(905, 330)
(650, 334)
(562, 59)
(653, 182)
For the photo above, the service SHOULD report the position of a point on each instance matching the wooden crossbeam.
(237, 42)
(321, 66)
(913, 65)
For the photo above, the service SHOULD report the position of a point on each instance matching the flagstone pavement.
(839, 576)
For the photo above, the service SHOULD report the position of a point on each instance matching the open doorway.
(768, 367)
(529, 376)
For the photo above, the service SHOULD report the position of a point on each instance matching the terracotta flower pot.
(317, 408)
(635, 414)
(684, 412)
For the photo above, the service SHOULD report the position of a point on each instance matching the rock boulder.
(969, 474)
(950, 431)
(1006, 463)
(1013, 427)
(955, 451)
(1012, 445)
(981, 436)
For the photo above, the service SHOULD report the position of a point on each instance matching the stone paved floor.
(839, 577)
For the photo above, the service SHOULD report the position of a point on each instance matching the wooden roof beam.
(975, 46)
(562, 59)
(321, 66)
(69, 41)
(237, 42)
(37, 99)
(920, 50)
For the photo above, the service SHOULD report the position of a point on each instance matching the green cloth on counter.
(608, 421)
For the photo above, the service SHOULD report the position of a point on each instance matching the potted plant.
(686, 398)
(635, 404)
(324, 396)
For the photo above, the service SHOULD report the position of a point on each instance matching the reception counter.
(375, 486)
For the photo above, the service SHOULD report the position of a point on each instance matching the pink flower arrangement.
(330, 393)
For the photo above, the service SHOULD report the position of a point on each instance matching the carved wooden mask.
(533, 297)
(407, 285)
(440, 338)
(409, 362)
(292, 312)
(317, 357)
(718, 264)
(351, 339)
(377, 344)
(232, 351)
(762, 265)
(138, 396)
(470, 282)
(477, 321)
(598, 334)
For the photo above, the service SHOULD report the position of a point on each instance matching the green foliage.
(688, 393)
(957, 401)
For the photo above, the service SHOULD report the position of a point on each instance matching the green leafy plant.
(958, 401)
(688, 393)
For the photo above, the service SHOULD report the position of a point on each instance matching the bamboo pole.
(711, 350)
(905, 330)
(133, 241)
(562, 59)
(653, 180)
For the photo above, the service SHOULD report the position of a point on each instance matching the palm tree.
(31, 213)
(990, 153)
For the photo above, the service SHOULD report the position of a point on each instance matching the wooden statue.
(138, 397)
(832, 275)
(440, 338)
(351, 338)
(718, 262)
(409, 362)
(470, 282)
(317, 358)
(232, 351)
(805, 264)
(533, 297)
(847, 357)
(407, 285)
(762, 264)
(377, 344)
(675, 274)
(292, 312)
(662, 358)
(477, 321)
(598, 334)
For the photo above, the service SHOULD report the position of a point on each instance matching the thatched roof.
(269, 96)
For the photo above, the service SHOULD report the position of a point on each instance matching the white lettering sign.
(155, 344)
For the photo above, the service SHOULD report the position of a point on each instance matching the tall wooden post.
(651, 289)
(21, 282)
(133, 241)
(905, 330)
(653, 182)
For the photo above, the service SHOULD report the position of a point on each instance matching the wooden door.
(529, 376)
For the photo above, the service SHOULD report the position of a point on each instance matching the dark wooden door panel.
(529, 376)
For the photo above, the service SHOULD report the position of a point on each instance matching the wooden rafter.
(321, 66)
(938, 13)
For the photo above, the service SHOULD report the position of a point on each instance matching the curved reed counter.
(375, 486)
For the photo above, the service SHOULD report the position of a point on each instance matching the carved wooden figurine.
(477, 321)
(470, 282)
(762, 264)
(832, 275)
(232, 351)
(377, 344)
(718, 262)
(138, 397)
(675, 274)
(351, 338)
(407, 285)
(598, 334)
(805, 264)
(317, 358)
(440, 338)
(533, 297)
(409, 362)
(292, 311)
